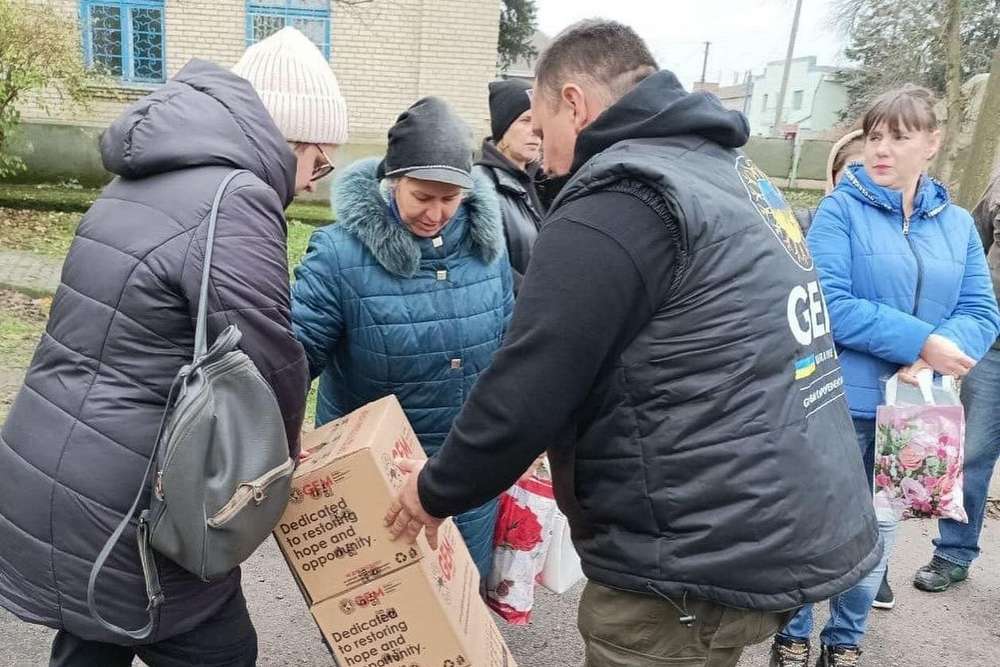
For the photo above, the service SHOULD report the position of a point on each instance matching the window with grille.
(312, 17)
(124, 38)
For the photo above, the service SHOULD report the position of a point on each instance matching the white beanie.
(297, 86)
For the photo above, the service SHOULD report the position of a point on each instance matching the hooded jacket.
(670, 338)
(890, 282)
(520, 206)
(805, 216)
(381, 311)
(80, 433)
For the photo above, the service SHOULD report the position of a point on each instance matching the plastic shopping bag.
(919, 441)
(523, 530)
(562, 568)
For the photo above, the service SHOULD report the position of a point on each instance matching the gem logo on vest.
(808, 317)
(773, 208)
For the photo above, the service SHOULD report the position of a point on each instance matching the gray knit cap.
(430, 142)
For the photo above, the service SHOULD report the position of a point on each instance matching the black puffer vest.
(722, 462)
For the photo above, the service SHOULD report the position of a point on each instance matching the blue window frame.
(312, 17)
(124, 38)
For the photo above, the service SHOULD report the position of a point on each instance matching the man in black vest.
(671, 349)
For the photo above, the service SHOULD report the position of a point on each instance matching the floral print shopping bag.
(919, 455)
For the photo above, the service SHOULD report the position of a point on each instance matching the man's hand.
(406, 516)
(945, 357)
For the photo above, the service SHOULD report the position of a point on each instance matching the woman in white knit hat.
(122, 326)
(298, 88)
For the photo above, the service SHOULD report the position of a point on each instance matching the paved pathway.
(954, 629)
(30, 273)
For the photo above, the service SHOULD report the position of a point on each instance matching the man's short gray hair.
(604, 53)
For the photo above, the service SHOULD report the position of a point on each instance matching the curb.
(27, 290)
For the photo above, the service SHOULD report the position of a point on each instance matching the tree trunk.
(953, 72)
(985, 141)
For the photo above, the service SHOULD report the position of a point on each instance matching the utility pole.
(776, 131)
(704, 64)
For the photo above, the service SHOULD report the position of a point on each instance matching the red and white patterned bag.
(521, 539)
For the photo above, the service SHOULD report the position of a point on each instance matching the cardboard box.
(428, 614)
(380, 603)
(332, 531)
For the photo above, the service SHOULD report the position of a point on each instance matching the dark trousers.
(622, 629)
(228, 639)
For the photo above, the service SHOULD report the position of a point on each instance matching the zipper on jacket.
(920, 264)
(246, 492)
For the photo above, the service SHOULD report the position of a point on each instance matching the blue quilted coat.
(381, 311)
(890, 282)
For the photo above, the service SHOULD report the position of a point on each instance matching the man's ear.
(576, 100)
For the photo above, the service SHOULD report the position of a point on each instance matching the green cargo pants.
(623, 629)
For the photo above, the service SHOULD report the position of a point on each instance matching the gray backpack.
(222, 467)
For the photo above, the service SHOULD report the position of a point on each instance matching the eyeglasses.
(323, 169)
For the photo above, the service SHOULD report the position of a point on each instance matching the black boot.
(885, 598)
(938, 575)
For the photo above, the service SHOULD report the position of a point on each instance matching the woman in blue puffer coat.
(410, 292)
(907, 287)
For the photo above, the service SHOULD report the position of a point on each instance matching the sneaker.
(839, 656)
(884, 599)
(939, 575)
(789, 653)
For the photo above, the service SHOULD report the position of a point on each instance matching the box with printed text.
(428, 614)
(332, 531)
(377, 602)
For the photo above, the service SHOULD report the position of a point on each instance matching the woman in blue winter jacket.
(410, 292)
(907, 287)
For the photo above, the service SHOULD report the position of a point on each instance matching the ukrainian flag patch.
(805, 367)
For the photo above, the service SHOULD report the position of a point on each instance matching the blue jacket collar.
(932, 196)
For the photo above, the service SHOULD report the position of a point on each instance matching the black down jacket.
(77, 440)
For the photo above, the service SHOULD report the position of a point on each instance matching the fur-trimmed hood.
(362, 210)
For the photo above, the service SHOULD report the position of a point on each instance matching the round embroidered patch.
(775, 211)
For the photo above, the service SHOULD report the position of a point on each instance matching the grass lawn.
(44, 232)
(18, 337)
(71, 199)
(51, 232)
(22, 320)
(802, 198)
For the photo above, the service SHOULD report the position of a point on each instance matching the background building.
(385, 53)
(814, 100)
(735, 97)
